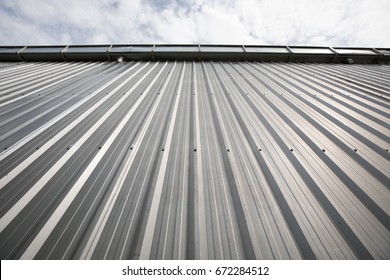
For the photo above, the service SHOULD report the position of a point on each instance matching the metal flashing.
(193, 52)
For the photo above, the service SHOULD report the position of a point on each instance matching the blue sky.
(360, 23)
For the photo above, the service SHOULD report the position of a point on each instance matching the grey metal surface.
(209, 52)
(194, 160)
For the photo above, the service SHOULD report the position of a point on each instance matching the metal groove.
(335, 82)
(246, 239)
(150, 227)
(190, 250)
(338, 220)
(356, 77)
(363, 197)
(300, 238)
(339, 111)
(362, 161)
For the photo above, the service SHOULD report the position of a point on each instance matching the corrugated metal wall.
(194, 160)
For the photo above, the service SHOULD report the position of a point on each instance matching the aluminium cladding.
(194, 160)
(195, 53)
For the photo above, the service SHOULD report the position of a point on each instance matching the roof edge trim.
(200, 52)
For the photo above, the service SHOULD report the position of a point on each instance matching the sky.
(358, 23)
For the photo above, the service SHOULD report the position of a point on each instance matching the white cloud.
(224, 28)
(278, 22)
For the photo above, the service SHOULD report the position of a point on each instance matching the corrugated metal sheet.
(194, 160)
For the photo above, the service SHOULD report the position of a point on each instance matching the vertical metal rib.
(295, 228)
(349, 235)
(240, 216)
(191, 170)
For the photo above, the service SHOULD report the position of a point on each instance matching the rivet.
(5, 148)
(291, 150)
(355, 150)
(100, 147)
(195, 150)
(228, 150)
(162, 149)
(259, 150)
(37, 148)
(323, 150)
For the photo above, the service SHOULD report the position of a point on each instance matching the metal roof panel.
(194, 160)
